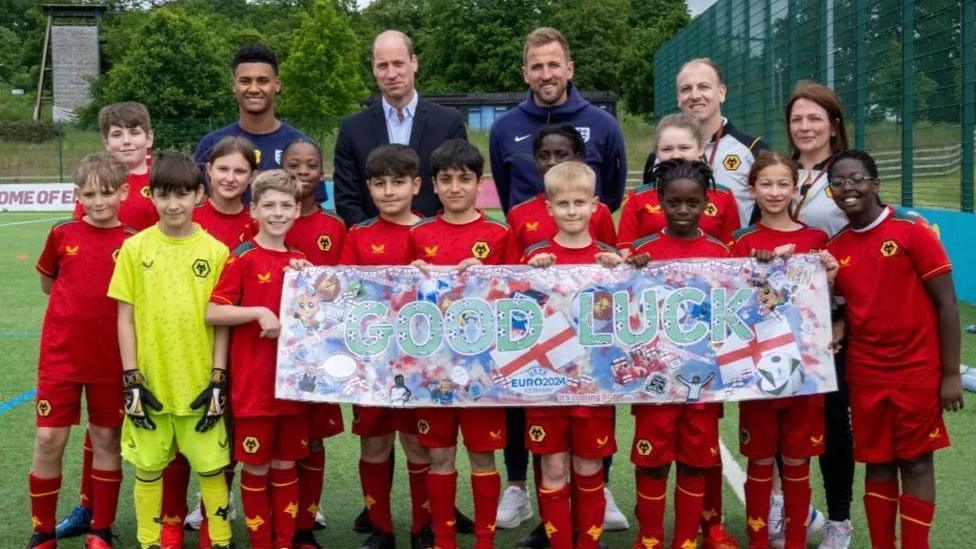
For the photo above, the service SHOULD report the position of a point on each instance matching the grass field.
(22, 236)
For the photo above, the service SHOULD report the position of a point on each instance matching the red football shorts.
(675, 432)
(483, 428)
(324, 420)
(793, 427)
(375, 421)
(58, 403)
(894, 423)
(258, 440)
(586, 437)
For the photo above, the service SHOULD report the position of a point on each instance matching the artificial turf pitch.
(22, 304)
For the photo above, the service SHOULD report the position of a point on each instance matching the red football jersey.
(377, 242)
(79, 339)
(227, 228)
(662, 246)
(568, 256)
(318, 235)
(440, 242)
(761, 237)
(253, 277)
(642, 215)
(892, 325)
(136, 211)
(531, 223)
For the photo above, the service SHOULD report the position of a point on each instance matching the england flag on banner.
(737, 358)
(557, 348)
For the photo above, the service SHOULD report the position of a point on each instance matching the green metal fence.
(905, 70)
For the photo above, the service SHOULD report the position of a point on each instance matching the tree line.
(174, 55)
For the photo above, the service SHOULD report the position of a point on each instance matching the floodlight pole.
(40, 76)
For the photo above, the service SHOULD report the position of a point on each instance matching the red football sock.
(87, 456)
(689, 498)
(105, 488)
(880, 508)
(256, 503)
(44, 502)
(916, 520)
(284, 505)
(311, 477)
(796, 502)
(712, 513)
(419, 501)
(590, 504)
(376, 480)
(651, 499)
(555, 513)
(759, 486)
(485, 490)
(442, 489)
(176, 478)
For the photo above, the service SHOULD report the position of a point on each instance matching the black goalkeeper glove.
(214, 397)
(138, 399)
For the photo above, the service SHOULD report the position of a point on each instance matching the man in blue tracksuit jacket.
(552, 98)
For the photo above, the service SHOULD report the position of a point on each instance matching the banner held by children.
(675, 331)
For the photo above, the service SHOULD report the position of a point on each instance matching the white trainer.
(837, 535)
(775, 520)
(613, 519)
(514, 508)
(815, 522)
(194, 518)
(319, 519)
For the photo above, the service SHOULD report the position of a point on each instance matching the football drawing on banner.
(675, 331)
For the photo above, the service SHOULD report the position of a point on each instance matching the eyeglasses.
(855, 179)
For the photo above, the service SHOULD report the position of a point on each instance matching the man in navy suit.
(401, 116)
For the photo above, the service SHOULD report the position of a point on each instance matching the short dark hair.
(564, 129)
(300, 141)
(174, 171)
(235, 144)
(392, 160)
(255, 53)
(854, 154)
(678, 168)
(457, 154)
(127, 114)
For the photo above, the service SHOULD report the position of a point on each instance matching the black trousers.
(837, 461)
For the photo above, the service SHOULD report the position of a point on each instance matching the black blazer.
(362, 132)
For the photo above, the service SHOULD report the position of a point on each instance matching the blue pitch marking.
(17, 400)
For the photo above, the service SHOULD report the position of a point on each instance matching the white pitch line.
(734, 474)
(46, 219)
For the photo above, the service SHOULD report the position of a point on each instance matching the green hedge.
(28, 131)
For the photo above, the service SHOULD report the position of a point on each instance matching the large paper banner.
(678, 331)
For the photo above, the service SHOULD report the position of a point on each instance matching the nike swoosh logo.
(520, 138)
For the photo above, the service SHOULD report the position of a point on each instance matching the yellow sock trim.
(485, 474)
(652, 498)
(594, 489)
(757, 479)
(795, 479)
(915, 520)
(880, 496)
(692, 494)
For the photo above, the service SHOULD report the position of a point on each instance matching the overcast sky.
(698, 6)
